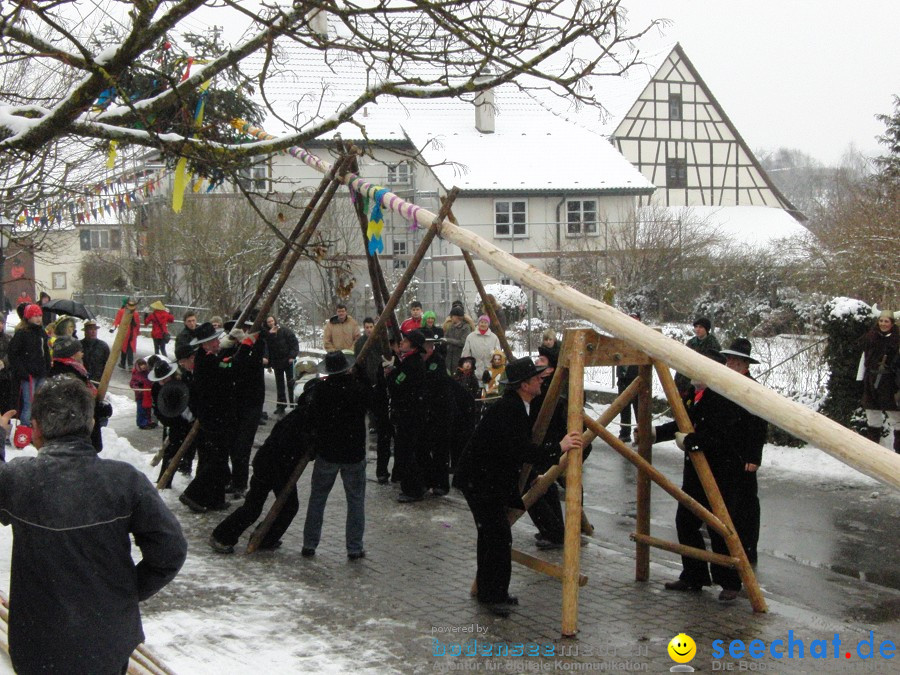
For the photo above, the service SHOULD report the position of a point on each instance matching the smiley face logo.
(682, 648)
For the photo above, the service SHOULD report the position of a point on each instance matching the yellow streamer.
(182, 178)
(111, 159)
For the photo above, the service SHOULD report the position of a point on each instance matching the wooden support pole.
(419, 255)
(645, 444)
(717, 504)
(543, 566)
(681, 549)
(115, 353)
(658, 477)
(488, 307)
(172, 466)
(572, 542)
(263, 528)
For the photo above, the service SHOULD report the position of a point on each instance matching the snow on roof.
(751, 226)
(532, 148)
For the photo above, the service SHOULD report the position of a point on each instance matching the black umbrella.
(69, 307)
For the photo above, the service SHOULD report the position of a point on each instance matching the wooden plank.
(645, 451)
(681, 549)
(606, 351)
(543, 566)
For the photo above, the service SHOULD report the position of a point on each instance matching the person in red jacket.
(130, 343)
(159, 320)
(143, 398)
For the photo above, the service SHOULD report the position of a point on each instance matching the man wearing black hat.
(456, 329)
(337, 415)
(489, 477)
(171, 398)
(405, 383)
(752, 439)
(718, 428)
(215, 409)
(439, 412)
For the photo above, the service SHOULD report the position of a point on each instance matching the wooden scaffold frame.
(632, 344)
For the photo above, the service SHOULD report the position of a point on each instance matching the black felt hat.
(335, 363)
(162, 370)
(741, 348)
(416, 338)
(521, 370)
(205, 332)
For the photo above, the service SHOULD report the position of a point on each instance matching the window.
(59, 281)
(510, 219)
(399, 248)
(255, 178)
(398, 174)
(675, 106)
(106, 239)
(676, 173)
(581, 216)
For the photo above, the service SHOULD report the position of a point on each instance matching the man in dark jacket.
(374, 375)
(29, 356)
(189, 332)
(214, 408)
(489, 477)
(74, 588)
(703, 342)
(337, 415)
(283, 348)
(439, 412)
(405, 385)
(753, 438)
(273, 465)
(96, 351)
(718, 433)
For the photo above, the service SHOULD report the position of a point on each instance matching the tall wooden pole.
(716, 503)
(572, 545)
(115, 353)
(645, 444)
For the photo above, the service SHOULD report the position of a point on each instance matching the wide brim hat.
(247, 323)
(335, 363)
(157, 304)
(416, 338)
(741, 349)
(90, 323)
(184, 350)
(162, 370)
(205, 333)
(131, 302)
(173, 398)
(521, 370)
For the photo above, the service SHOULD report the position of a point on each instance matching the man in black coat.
(489, 477)
(74, 588)
(171, 400)
(283, 349)
(405, 385)
(337, 418)
(96, 351)
(439, 413)
(29, 357)
(215, 409)
(189, 332)
(379, 411)
(755, 430)
(273, 465)
(718, 432)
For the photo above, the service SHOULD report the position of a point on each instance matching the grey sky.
(806, 74)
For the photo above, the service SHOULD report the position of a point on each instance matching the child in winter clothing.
(465, 375)
(140, 382)
(494, 374)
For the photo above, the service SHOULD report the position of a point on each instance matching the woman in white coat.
(481, 344)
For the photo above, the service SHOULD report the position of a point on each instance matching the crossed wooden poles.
(585, 348)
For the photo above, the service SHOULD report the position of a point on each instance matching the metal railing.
(107, 303)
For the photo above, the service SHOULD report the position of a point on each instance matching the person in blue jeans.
(29, 356)
(337, 413)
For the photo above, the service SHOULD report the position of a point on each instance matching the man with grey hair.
(74, 589)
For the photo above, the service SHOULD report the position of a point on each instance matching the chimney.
(318, 23)
(485, 111)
